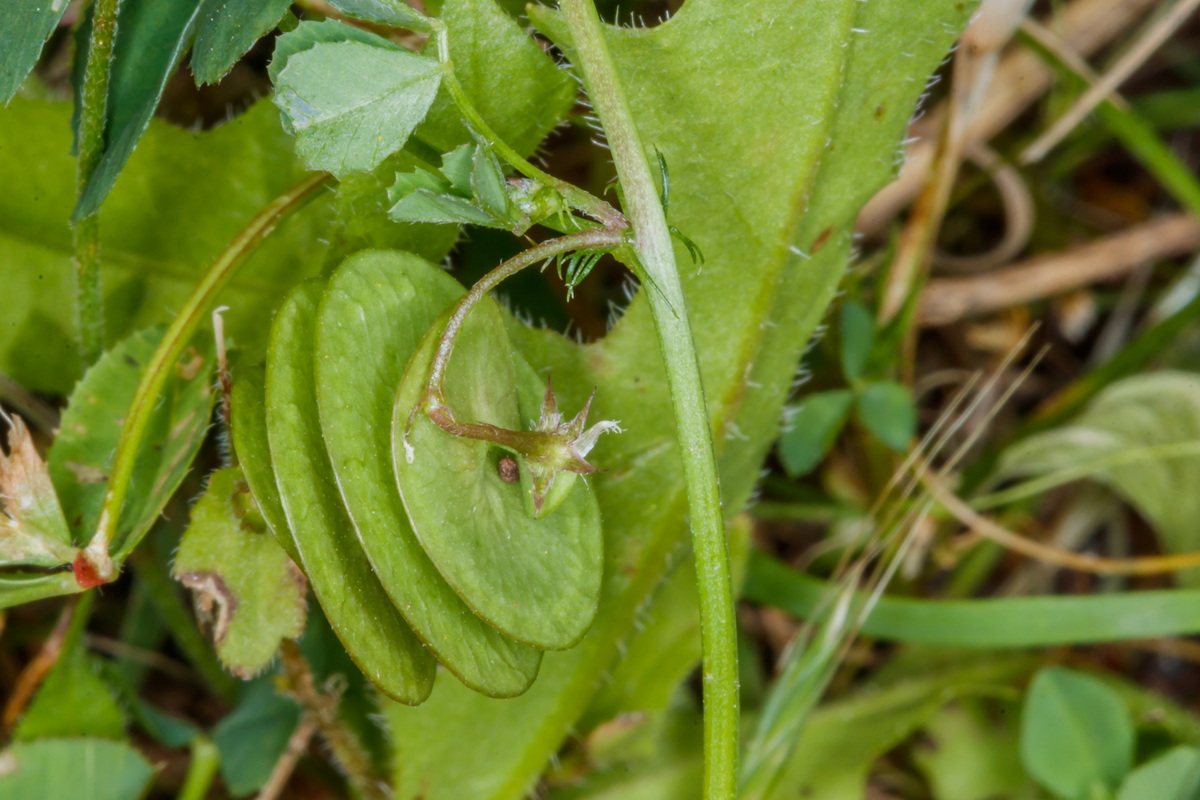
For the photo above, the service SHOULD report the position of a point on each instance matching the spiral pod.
(437, 559)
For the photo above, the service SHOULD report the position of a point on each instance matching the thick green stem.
(655, 254)
(93, 112)
(577, 198)
(182, 328)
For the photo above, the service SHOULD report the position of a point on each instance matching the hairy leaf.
(73, 769)
(375, 311)
(74, 700)
(373, 632)
(796, 108)
(228, 28)
(535, 579)
(24, 27)
(149, 43)
(182, 198)
(515, 86)
(91, 426)
(385, 12)
(243, 584)
(351, 104)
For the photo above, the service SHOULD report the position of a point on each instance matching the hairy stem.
(584, 201)
(347, 750)
(89, 299)
(161, 363)
(655, 254)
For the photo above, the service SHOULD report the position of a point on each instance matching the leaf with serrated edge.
(248, 427)
(24, 27)
(51, 769)
(537, 580)
(228, 28)
(183, 196)
(150, 41)
(376, 309)
(351, 105)
(241, 580)
(80, 457)
(791, 79)
(370, 628)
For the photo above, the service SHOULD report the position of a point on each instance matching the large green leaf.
(182, 198)
(535, 579)
(247, 587)
(228, 28)
(1141, 438)
(352, 104)
(24, 27)
(1076, 734)
(73, 769)
(91, 426)
(373, 632)
(375, 311)
(151, 38)
(807, 112)
(515, 86)
(1174, 775)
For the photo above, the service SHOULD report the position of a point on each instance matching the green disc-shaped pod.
(248, 424)
(537, 580)
(376, 309)
(359, 611)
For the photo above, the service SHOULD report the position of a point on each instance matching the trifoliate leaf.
(351, 104)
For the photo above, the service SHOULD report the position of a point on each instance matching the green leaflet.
(74, 683)
(1077, 736)
(385, 12)
(351, 104)
(24, 27)
(81, 454)
(253, 736)
(359, 611)
(228, 28)
(537, 580)
(151, 38)
(243, 583)
(515, 86)
(215, 181)
(376, 309)
(74, 769)
(720, 92)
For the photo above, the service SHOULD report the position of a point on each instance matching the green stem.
(434, 399)
(656, 256)
(182, 328)
(584, 201)
(201, 769)
(89, 299)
